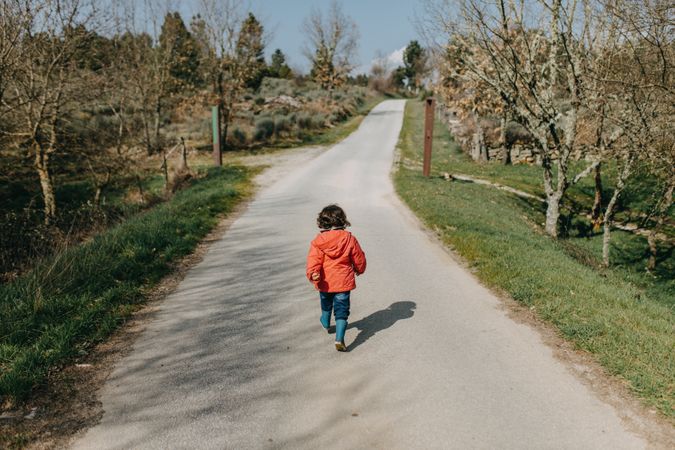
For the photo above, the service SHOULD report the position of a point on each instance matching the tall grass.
(627, 327)
(79, 296)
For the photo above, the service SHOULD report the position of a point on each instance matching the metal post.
(215, 124)
(428, 135)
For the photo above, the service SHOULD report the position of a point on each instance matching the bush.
(274, 87)
(310, 122)
(319, 121)
(424, 93)
(264, 129)
(239, 136)
(339, 115)
(259, 101)
(304, 121)
(281, 124)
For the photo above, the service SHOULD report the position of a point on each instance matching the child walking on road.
(335, 258)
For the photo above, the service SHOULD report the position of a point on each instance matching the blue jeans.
(335, 301)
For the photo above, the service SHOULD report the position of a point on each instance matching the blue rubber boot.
(340, 329)
(325, 319)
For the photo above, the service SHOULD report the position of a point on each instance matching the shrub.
(339, 115)
(281, 124)
(259, 101)
(239, 136)
(304, 121)
(319, 121)
(274, 87)
(264, 129)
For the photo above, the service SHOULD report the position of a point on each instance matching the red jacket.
(336, 256)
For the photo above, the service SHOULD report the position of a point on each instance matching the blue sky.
(384, 25)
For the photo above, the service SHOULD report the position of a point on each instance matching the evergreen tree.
(278, 67)
(332, 42)
(180, 51)
(414, 61)
(323, 71)
(250, 52)
(398, 77)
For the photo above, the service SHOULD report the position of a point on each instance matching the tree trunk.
(651, 241)
(607, 225)
(139, 184)
(553, 196)
(506, 158)
(597, 202)
(42, 167)
(158, 113)
(101, 186)
(552, 215)
(665, 203)
(184, 165)
(224, 127)
(165, 169)
(609, 212)
(479, 151)
(146, 129)
(120, 136)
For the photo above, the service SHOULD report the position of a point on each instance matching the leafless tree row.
(114, 73)
(581, 76)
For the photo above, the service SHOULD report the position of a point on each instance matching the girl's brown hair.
(332, 216)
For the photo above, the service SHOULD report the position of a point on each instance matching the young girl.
(334, 258)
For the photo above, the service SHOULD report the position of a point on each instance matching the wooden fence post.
(215, 124)
(428, 134)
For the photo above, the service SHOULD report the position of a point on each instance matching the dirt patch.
(69, 403)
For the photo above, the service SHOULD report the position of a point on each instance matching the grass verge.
(628, 329)
(76, 298)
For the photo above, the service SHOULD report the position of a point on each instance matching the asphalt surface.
(236, 357)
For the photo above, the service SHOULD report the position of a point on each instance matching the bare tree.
(45, 83)
(220, 23)
(535, 63)
(380, 73)
(332, 44)
(638, 85)
(12, 27)
(469, 97)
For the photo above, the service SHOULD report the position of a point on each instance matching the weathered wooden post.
(215, 124)
(428, 134)
(184, 162)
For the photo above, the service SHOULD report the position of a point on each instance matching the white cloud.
(392, 60)
(395, 58)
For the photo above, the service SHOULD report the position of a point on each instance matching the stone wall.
(522, 152)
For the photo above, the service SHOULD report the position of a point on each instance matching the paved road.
(236, 357)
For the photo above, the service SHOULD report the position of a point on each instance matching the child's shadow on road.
(381, 320)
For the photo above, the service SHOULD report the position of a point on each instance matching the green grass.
(77, 297)
(635, 200)
(618, 315)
